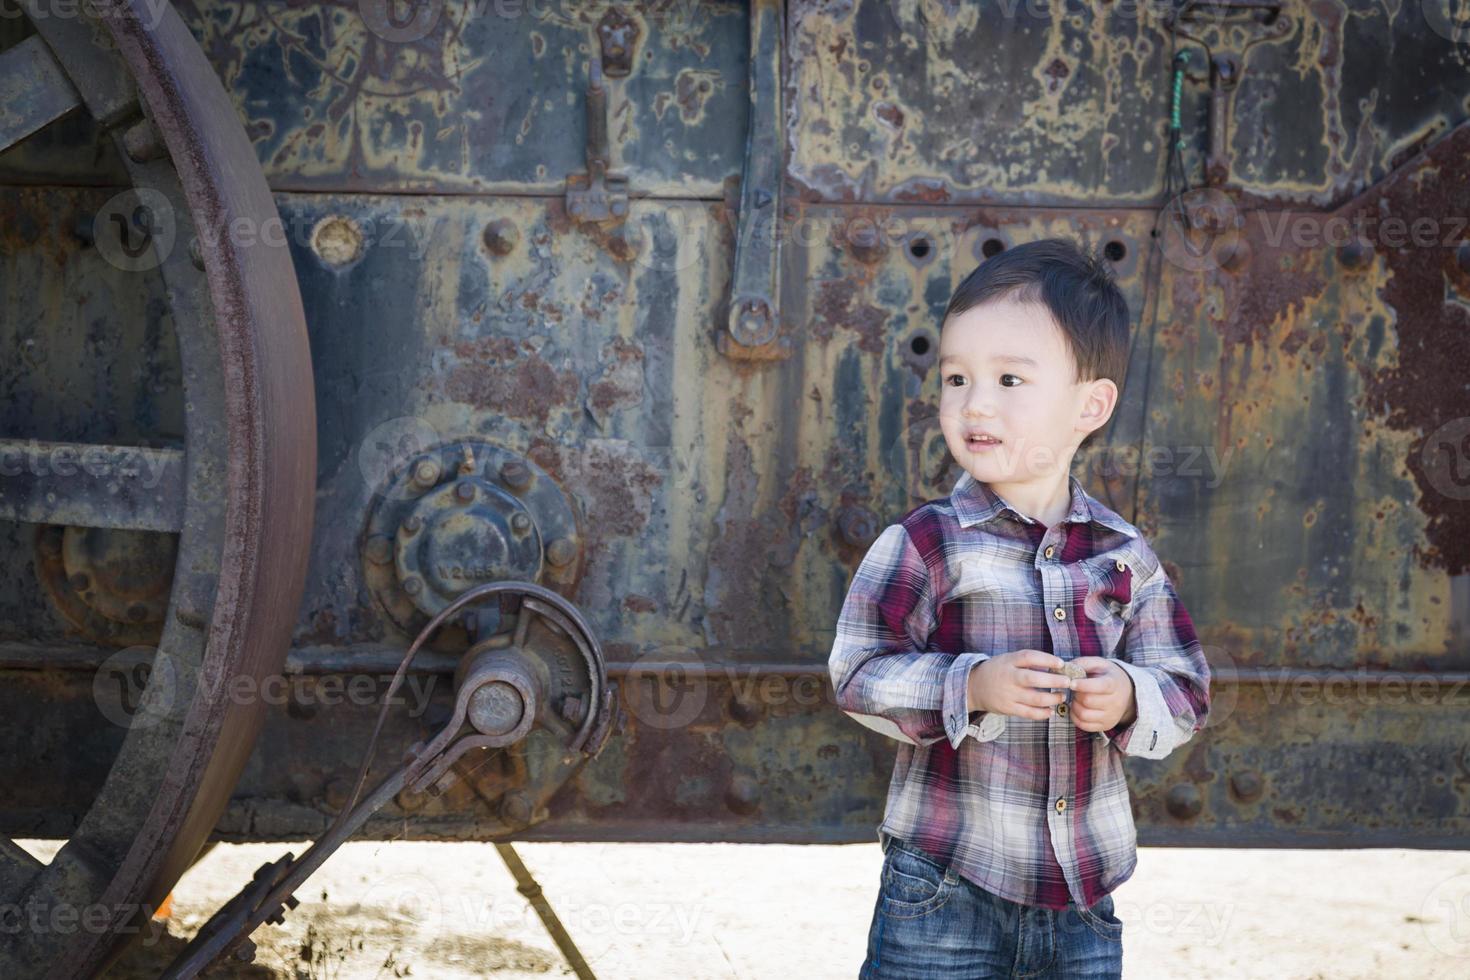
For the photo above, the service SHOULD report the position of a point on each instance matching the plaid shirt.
(1034, 811)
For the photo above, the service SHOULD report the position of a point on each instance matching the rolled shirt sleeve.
(1171, 678)
(881, 672)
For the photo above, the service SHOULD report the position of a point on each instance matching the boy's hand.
(1104, 697)
(1016, 683)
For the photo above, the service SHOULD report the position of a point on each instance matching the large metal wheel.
(239, 493)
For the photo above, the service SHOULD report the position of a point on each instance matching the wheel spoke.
(88, 485)
(34, 91)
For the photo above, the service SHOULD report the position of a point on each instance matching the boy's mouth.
(981, 440)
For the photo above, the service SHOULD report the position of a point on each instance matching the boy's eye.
(957, 379)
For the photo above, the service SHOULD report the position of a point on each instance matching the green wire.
(1175, 122)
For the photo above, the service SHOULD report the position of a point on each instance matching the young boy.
(1008, 822)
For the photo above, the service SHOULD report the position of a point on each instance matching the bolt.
(464, 492)
(245, 952)
(188, 615)
(517, 475)
(413, 585)
(81, 581)
(1358, 254)
(561, 551)
(379, 549)
(413, 523)
(858, 526)
(515, 809)
(1184, 801)
(743, 795)
(864, 242)
(571, 708)
(137, 612)
(1247, 784)
(520, 522)
(501, 237)
(744, 709)
(426, 473)
(144, 143)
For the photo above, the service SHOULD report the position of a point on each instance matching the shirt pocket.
(1109, 602)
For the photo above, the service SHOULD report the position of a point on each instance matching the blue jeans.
(932, 924)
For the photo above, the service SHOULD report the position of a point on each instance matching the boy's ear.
(1097, 405)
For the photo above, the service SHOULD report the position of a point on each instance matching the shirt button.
(1061, 709)
(1061, 803)
(1059, 613)
(1122, 566)
(1050, 549)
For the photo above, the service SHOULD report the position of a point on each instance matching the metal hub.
(461, 534)
(460, 515)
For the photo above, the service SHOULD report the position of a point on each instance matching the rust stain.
(838, 307)
(1426, 388)
(502, 375)
(621, 383)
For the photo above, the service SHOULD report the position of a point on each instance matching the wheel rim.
(245, 517)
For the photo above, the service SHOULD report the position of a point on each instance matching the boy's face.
(1038, 410)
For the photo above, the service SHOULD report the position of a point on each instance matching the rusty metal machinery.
(637, 302)
(504, 687)
(205, 563)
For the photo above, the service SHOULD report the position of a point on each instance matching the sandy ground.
(688, 911)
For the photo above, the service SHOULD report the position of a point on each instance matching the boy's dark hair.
(1075, 285)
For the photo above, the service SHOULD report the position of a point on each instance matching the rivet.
(743, 794)
(137, 612)
(81, 581)
(521, 522)
(413, 585)
(144, 143)
(1183, 801)
(515, 809)
(1356, 255)
(412, 523)
(1247, 784)
(501, 237)
(858, 526)
(464, 492)
(337, 239)
(517, 475)
(561, 551)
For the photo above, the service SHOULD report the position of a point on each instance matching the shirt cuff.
(956, 707)
(1142, 737)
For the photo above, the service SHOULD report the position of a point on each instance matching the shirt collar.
(976, 503)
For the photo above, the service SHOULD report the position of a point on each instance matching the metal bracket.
(597, 195)
(1227, 29)
(754, 315)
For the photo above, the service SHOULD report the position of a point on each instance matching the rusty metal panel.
(466, 96)
(1037, 102)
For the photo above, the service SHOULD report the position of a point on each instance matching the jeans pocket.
(1101, 920)
(914, 885)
